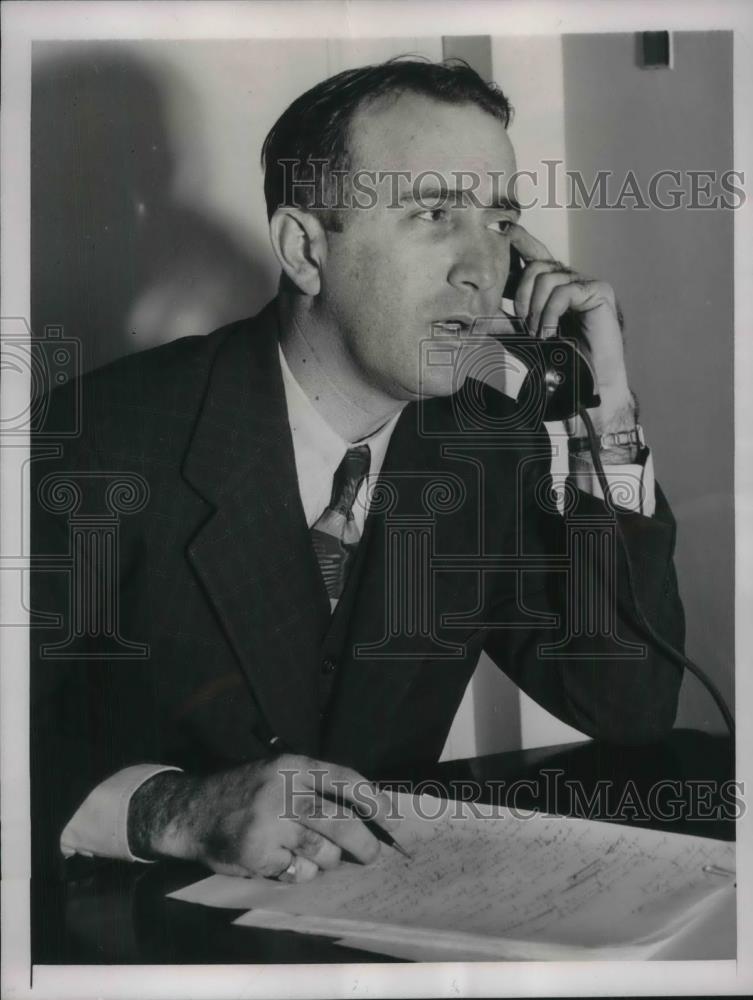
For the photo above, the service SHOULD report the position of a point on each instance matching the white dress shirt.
(99, 825)
(319, 449)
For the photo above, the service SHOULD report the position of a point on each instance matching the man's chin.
(440, 381)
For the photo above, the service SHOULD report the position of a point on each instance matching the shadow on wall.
(115, 259)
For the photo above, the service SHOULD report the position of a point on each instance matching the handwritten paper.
(500, 885)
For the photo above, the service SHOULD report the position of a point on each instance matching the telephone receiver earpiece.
(560, 380)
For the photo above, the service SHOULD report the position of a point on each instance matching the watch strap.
(618, 439)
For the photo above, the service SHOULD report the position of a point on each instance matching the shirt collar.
(319, 449)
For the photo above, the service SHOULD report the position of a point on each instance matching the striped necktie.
(335, 536)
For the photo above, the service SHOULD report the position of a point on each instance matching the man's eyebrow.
(441, 195)
(508, 204)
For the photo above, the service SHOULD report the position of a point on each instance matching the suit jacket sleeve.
(596, 687)
(82, 709)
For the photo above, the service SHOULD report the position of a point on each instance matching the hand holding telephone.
(556, 367)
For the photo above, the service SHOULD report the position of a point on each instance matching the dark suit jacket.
(218, 581)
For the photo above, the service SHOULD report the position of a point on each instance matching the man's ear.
(300, 243)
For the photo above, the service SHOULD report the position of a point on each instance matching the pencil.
(398, 847)
(381, 834)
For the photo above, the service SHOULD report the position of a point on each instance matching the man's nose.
(476, 270)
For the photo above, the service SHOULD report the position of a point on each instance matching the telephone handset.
(560, 380)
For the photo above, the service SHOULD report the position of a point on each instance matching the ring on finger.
(300, 870)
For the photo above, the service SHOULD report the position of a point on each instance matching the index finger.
(343, 782)
(528, 246)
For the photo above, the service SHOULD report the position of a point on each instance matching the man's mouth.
(453, 326)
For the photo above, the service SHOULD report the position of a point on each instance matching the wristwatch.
(619, 439)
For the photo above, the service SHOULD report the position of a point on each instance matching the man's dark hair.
(310, 139)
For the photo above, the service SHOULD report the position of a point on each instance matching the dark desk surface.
(117, 913)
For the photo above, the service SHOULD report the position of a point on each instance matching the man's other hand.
(288, 818)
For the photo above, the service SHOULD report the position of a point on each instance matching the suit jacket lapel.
(253, 555)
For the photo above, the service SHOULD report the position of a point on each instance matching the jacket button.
(328, 666)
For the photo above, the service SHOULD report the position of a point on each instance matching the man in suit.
(333, 518)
